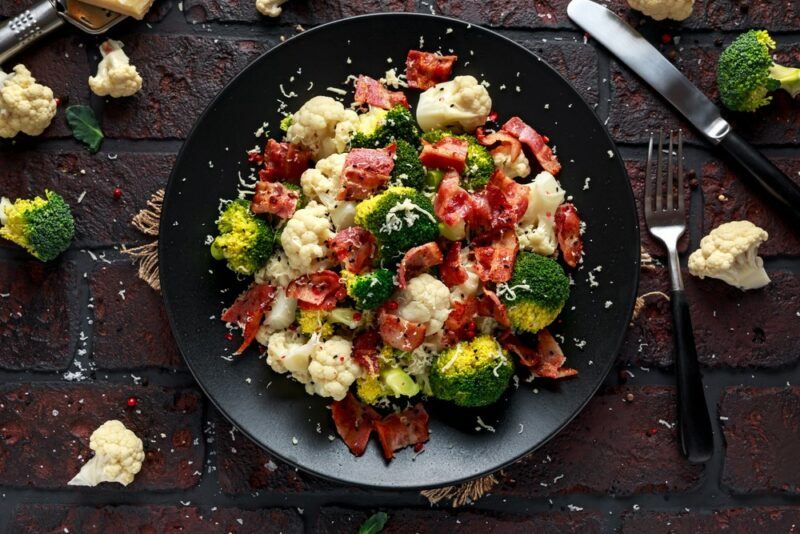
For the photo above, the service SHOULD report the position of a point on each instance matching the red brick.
(740, 201)
(733, 520)
(293, 12)
(45, 429)
(133, 331)
(649, 338)
(609, 448)
(514, 14)
(181, 75)
(151, 519)
(575, 61)
(761, 435)
(346, 521)
(736, 328)
(37, 316)
(100, 220)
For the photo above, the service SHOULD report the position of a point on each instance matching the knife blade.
(644, 59)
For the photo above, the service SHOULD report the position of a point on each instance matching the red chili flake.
(357, 316)
(229, 336)
(652, 432)
(392, 305)
(666, 38)
(58, 101)
(546, 139)
(132, 402)
(117, 193)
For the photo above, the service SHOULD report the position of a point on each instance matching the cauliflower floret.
(118, 456)
(425, 300)
(332, 369)
(323, 126)
(290, 352)
(304, 236)
(730, 253)
(343, 215)
(664, 9)
(280, 314)
(116, 77)
(469, 288)
(517, 168)
(536, 229)
(270, 8)
(460, 104)
(25, 106)
(324, 181)
(277, 271)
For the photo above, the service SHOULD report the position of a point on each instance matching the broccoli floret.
(322, 322)
(369, 290)
(391, 382)
(398, 124)
(286, 122)
(746, 73)
(408, 170)
(536, 293)
(400, 218)
(245, 241)
(472, 373)
(479, 165)
(42, 226)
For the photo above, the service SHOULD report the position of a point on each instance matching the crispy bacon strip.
(425, 69)
(505, 142)
(274, 198)
(495, 254)
(354, 422)
(500, 205)
(365, 351)
(545, 360)
(399, 333)
(452, 272)
(282, 162)
(317, 291)
(452, 203)
(354, 248)
(371, 91)
(568, 232)
(446, 153)
(534, 141)
(248, 310)
(489, 305)
(400, 430)
(418, 260)
(460, 324)
(365, 171)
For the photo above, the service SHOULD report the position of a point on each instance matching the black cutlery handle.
(765, 174)
(694, 425)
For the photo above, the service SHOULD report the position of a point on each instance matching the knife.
(642, 58)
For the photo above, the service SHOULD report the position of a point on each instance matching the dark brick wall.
(80, 336)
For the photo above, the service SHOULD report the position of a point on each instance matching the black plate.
(271, 409)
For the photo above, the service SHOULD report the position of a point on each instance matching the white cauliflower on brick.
(115, 77)
(536, 229)
(118, 456)
(519, 167)
(290, 352)
(270, 8)
(277, 271)
(323, 126)
(461, 104)
(304, 236)
(664, 9)
(324, 181)
(425, 300)
(25, 106)
(332, 369)
(730, 253)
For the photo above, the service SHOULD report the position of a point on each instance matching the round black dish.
(276, 412)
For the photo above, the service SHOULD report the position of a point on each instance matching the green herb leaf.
(374, 524)
(85, 127)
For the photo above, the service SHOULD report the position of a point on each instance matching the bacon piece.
(452, 272)
(365, 351)
(354, 422)
(353, 247)
(371, 91)
(489, 305)
(501, 204)
(248, 310)
(365, 171)
(460, 324)
(317, 291)
(399, 430)
(399, 333)
(274, 198)
(452, 203)
(446, 153)
(568, 232)
(495, 254)
(507, 142)
(424, 69)
(283, 162)
(533, 140)
(418, 260)
(546, 360)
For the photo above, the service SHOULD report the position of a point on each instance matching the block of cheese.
(132, 8)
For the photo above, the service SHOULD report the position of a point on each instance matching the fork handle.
(694, 425)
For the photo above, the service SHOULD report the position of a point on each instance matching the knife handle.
(765, 174)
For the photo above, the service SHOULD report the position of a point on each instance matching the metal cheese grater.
(47, 15)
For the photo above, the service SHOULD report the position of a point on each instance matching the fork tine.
(649, 180)
(670, 190)
(659, 176)
(680, 170)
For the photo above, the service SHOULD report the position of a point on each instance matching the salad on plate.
(398, 256)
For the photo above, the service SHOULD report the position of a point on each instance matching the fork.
(664, 212)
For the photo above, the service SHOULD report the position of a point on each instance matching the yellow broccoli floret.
(312, 321)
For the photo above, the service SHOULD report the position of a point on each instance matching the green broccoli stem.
(788, 77)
